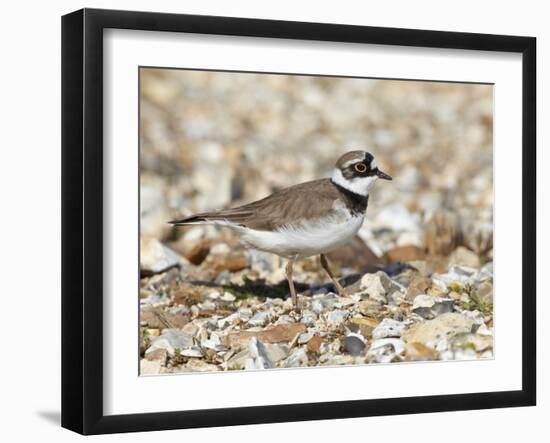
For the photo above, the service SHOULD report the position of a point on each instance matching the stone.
(389, 328)
(244, 313)
(230, 319)
(418, 352)
(197, 365)
(285, 319)
(198, 252)
(155, 300)
(220, 249)
(372, 285)
(314, 344)
(436, 333)
(186, 295)
(418, 285)
(144, 342)
(476, 342)
(378, 286)
(214, 342)
(147, 367)
(458, 354)
(213, 295)
(385, 350)
(308, 318)
(354, 345)
(455, 279)
(402, 254)
(207, 305)
(429, 306)
(336, 318)
(346, 302)
(476, 316)
(297, 358)
(155, 257)
(337, 359)
(277, 352)
(462, 256)
(233, 262)
(238, 361)
(459, 296)
(179, 310)
(484, 330)
(152, 332)
(192, 352)
(277, 334)
(170, 340)
(159, 355)
(395, 298)
(370, 308)
(260, 318)
(304, 338)
(486, 272)
(157, 318)
(259, 358)
(483, 293)
(322, 302)
(363, 325)
(228, 297)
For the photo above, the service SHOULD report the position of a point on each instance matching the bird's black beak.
(382, 175)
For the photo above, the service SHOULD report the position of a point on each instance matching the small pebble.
(354, 345)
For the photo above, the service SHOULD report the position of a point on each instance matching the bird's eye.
(360, 167)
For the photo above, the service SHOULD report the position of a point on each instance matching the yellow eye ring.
(360, 167)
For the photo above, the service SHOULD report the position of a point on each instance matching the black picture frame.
(82, 220)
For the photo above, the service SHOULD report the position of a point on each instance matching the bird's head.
(357, 171)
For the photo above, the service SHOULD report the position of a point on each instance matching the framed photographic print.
(269, 221)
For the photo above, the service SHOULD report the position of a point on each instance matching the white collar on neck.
(357, 185)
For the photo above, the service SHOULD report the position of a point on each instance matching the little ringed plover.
(305, 219)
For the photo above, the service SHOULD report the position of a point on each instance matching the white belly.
(304, 240)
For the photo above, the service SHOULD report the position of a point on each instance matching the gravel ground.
(419, 274)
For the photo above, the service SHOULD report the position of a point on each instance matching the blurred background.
(211, 140)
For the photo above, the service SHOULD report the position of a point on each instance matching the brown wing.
(305, 201)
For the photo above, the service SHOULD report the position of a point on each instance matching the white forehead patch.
(373, 164)
(350, 162)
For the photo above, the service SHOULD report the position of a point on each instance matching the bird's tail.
(197, 219)
(235, 217)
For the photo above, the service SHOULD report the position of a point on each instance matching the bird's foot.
(295, 312)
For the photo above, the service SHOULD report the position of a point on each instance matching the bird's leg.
(288, 269)
(326, 267)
